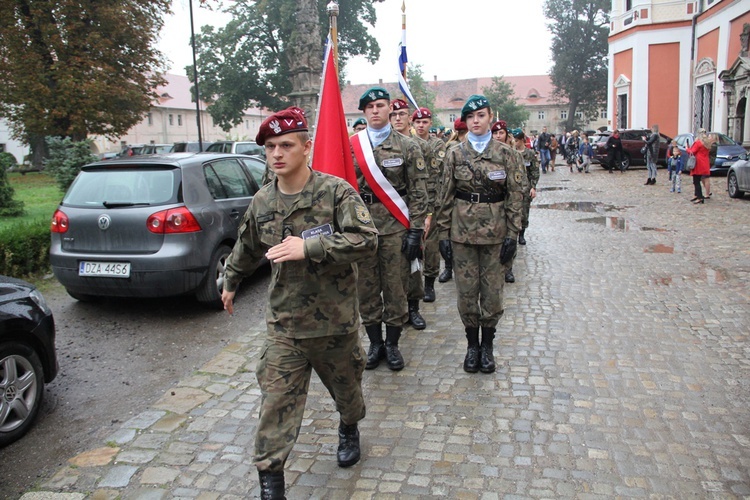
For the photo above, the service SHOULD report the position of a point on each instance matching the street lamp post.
(195, 76)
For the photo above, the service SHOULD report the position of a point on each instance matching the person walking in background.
(544, 141)
(586, 152)
(391, 174)
(700, 149)
(670, 155)
(313, 228)
(652, 154)
(713, 140)
(571, 150)
(614, 151)
(675, 165)
(553, 145)
(479, 218)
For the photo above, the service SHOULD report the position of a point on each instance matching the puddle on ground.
(658, 248)
(614, 223)
(581, 206)
(552, 188)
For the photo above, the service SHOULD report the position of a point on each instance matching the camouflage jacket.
(401, 162)
(468, 171)
(532, 168)
(317, 296)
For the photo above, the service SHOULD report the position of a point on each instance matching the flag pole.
(333, 11)
(403, 30)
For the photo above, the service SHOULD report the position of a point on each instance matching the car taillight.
(174, 220)
(59, 222)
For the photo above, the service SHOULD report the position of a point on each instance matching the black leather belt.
(370, 198)
(479, 197)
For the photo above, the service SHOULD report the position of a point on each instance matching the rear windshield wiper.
(117, 204)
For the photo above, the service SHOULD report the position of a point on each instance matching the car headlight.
(38, 299)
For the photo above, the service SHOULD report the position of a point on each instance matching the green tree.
(249, 61)
(503, 103)
(66, 157)
(579, 44)
(70, 68)
(8, 206)
(419, 89)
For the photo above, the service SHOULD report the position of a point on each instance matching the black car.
(189, 147)
(632, 144)
(28, 358)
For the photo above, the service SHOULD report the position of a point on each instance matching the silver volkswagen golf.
(152, 226)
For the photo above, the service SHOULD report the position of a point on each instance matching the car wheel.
(21, 386)
(733, 187)
(625, 161)
(210, 292)
(82, 297)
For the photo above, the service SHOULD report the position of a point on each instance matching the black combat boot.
(392, 354)
(509, 277)
(471, 361)
(416, 319)
(487, 358)
(377, 348)
(521, 239)
(271, 485)
(348, 452)
(429, 289)
(447, 273)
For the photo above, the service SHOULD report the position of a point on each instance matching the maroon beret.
(285, 121)
(500, 124)
(399, 104)
(459, 125)
(421, 113)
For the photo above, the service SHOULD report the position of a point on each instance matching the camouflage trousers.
(383, 282)
(284, 372)
(432, 253)
(479, 282)
(525, 211)
(416, 286)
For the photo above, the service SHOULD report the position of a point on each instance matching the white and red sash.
(376, 180)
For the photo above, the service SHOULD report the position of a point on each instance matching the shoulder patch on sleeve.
(441, 154)
(420, 163)
(518, 177)
(363, 215)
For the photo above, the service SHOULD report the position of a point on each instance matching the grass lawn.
(39, 194)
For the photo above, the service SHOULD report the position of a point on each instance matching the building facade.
(679, 64)
(532, 92)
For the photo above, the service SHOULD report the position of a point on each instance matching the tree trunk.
(305, 59)
(38, 151)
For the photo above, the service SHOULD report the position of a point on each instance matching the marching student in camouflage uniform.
(313, 228)
(529, 193)
(500, 133)
(422, 120)
(479, 217)
(415, 291)
(461, 130)
(383, 281)
(359, 124)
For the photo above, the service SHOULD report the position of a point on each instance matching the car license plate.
(105, 269)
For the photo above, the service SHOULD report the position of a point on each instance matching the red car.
(633, 140)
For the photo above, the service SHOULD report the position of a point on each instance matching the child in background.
(674, 163)
(672, 145)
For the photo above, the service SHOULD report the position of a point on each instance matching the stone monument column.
(305, 59)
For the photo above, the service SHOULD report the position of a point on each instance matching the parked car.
(738, 177)
(189, 147)
(131, 150)
(632, 142)
(239, 147)
(108, 156)
(156, 149)
(727, 152)
(28, 358)
(152, 226)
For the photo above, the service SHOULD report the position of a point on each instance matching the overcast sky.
(485, 38)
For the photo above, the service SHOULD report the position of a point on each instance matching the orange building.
(681, 64)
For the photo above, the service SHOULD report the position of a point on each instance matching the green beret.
(359, 121)
(373, 94)
(517, 133)
(433, 130)
(474, 103)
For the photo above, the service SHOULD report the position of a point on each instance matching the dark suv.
(632, 143)
(152, 226)
(189, 147)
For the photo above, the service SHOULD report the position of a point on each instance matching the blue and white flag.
(402, 60)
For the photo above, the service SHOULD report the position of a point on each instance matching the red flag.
(331, 151)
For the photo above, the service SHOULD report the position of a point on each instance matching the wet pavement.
(623, 371)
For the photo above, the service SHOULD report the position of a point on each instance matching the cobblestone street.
(623, 371)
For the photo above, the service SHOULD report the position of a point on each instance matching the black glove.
(508, 250)
(446, 250)
(412, 244)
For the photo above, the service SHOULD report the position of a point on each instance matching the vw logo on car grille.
(104, 222)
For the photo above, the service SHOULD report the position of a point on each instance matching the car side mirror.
(743, 156)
